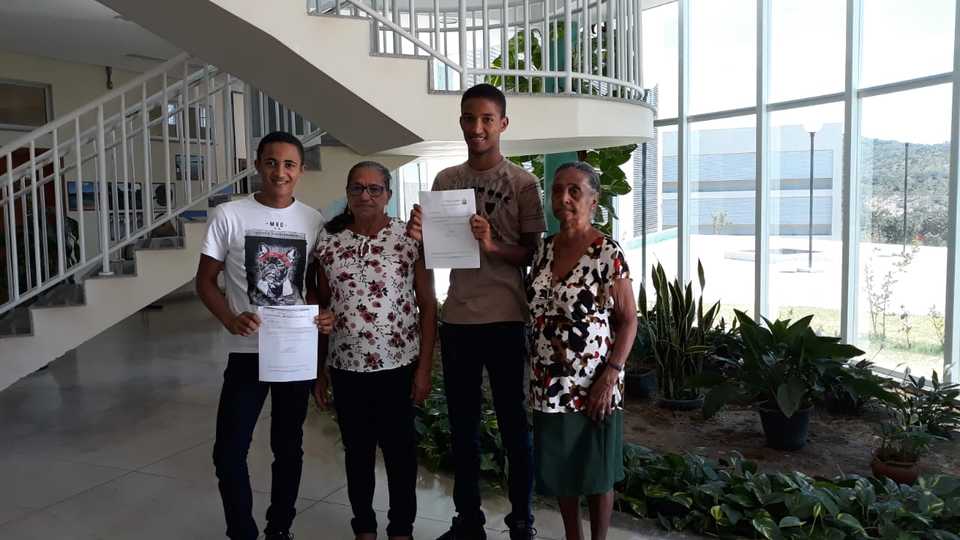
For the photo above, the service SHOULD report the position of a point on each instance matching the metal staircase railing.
(75, 192)
(588, 47)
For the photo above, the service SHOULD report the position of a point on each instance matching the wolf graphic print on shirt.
(275, 263)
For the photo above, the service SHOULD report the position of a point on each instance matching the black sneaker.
(522, 531)
(283, 535)
(461, 530)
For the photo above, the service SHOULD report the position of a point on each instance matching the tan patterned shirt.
(509, 198)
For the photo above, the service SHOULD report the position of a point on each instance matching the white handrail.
(582, 52)
(85, 267)
(92, 106)
(401, 31)
(126, 165)
(551, 74)
(90, 133)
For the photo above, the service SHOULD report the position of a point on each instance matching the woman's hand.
(321, 389)
(421, 385)
(324, 321)
(600, 398)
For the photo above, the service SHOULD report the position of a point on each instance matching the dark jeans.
(241, 400)
(376, 409)
(501, 348)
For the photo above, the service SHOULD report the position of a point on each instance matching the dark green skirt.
(575, 456)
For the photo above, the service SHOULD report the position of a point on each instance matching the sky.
(902, 39)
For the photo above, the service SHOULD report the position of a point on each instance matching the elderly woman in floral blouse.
(382, 323)
(584, 320)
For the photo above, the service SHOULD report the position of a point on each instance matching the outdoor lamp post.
(906, 169)
(811, 127)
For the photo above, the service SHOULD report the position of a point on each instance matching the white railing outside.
(589, 47)
(75, 192)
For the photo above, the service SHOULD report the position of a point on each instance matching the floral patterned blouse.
(571, 325)
(372, 296)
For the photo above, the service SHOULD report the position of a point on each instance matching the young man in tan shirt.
(484, 318)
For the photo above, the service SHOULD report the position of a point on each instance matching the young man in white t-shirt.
(262, 244)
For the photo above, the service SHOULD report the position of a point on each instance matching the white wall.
(72, 84)
(321, 188)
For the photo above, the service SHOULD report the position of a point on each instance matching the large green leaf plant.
(679, 328)
(783, 366)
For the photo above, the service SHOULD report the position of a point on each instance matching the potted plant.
(918, 415)
(848, 387)
(725, 348)
(641, 372)
(677, 327)
(902, 444)
(780, 372)
(936, 405)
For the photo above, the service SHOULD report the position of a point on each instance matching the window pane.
(807, 40)
(902, 276)
(661, 57)
(23, 105)
(722, 168)
(905, 40)
(654, 215)
(805, 258)
(723, 55)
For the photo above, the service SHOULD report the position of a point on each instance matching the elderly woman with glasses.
(381, 323)
(584, 320)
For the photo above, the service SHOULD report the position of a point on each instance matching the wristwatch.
(614, 367)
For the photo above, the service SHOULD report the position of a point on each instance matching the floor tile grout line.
(42, 457)
(312, 504)
(334, 492)
(27, 512)
(87, 490)
(125, 469)
(175, 454)
(71, 461)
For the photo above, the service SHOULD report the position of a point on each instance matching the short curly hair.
(593, 177)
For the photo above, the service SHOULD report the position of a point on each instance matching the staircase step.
(341, 16)
(15, 322)
(167, 242)
(408, 56)
(64, 294)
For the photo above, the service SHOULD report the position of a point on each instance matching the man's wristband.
(615, 367)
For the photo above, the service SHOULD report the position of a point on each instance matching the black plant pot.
(667, 508)
(681, 404)
(843, 405)
(784, 433)
(642, 384)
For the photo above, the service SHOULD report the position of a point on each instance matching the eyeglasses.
(375, 190)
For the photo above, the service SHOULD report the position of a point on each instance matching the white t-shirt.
(265, 252)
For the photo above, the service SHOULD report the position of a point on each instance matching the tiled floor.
(114, 442)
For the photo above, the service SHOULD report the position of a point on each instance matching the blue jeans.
(501, 349)
(241, 400)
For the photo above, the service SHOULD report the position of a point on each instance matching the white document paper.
(288, 343)
(448, 241)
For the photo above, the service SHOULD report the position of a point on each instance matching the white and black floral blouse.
(372, 297)
(571, 325)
